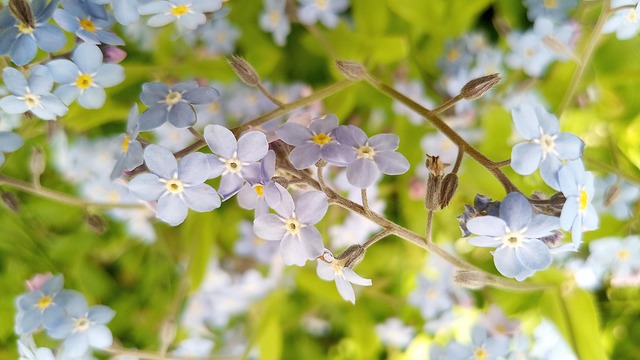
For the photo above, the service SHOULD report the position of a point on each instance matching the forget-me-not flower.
(294, 227)
(125, 11)
(393, 332)
(76, 18)
(315, 142)
(373, 155)
(310, 11)
(578, 213)
(483, 346)
(42, 307)
(262, 193)
(615, 196)
(173, 104)
(332, 269)
(619, 256)
(177, 186)
(31, 95)
(624, 22)
(21, 41)
(516, 233)
(83, 327)
(235, 160)
(546, 147)
(219, 36)
(28, 350)
(274, 20)
(552, 9)
(131, 155)
(9, 142)
(85, 77)
(188, 14)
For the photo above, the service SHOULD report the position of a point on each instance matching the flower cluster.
(63, 315)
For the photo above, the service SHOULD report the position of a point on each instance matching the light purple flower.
(316, 142)
(31, 95)
(131, 155)
(293, 225)
(372, 156)
(546, 147)
(125, 11)
(188, 14)
(235, 160)
(332, 269)
(326, 11)
(516, 233)
(578, 214)
(262, 193)
(75, 17)
(274, 19)
(177, 186)
(85, 77)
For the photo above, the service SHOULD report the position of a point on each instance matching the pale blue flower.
(578, 213)
(332, 269)
(9, 142)
(373, 155)
(528, 53)
(394, 333)
(249, 245)
(274, 19)
(516, 233)
(125, 11)
(43, 307)
(615, 196)
(188, 14)
(76, 17)
(28, 350)
(131, 155)
(619, 256)
(21, 41)
(294, 227)
(176, 186)
(31, 95)
(219, 36)
(552, 9)
(261, 193)
(85, 77)
(546, 147)
(235, 160)
(625, 22)
(482, 346)
(325, 11)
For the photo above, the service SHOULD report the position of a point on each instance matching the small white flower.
(330, 268)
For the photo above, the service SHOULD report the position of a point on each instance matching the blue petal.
(548, 122)
(569, 212)
(525, 158)
(305, 156)
(40, 81)
(568, 146)
(201, 95)
(182, 115)
(153, 92)
(92, 98)
(67, 93)
(153, 117)
(171, 209)
(147, 187)
(23, 50)
(252, 146)
(525, 121)
(160, 161)
(88, 57)
(534, 255)
(201, 198)
(63, 71)
(549, 168)
(313, 207)
(221, 141)
(15, 81)
(516, 211)
(487, 226)
(193, 169)
(50, 38)
(391, 163)
(507, 262)
(109, 75)
(362, 173)
(12, 105)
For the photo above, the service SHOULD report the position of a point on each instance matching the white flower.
(330, 268)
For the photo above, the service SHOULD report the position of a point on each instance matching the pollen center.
(88, 25)
(125, 143)
(274, 17)
(365, 152)
(174, 186)
(632, 16)
(547, 143)
(623, 254)
(173, 98)
(321, 139)
(25, 29)
(512, 239)
(81, 324)
(583, 200)
(180, 10)
(233, 165)
(293, 226)
(322, 4)
(550, 4)
(44, 302)
(84, 81)
(259, 190)
(31, 100)
(453, 55)
(480, 354)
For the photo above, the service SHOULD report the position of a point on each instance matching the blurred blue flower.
(482, 346)
(578, 213)
(326, 11)
(75, 17)
(83, 327)
(414, 90)
(516, 233)
(528, 53)
(33, 95)
(619, 256)
(293, 226)
(394, 333)
(28, 350)
(262, 193)
(625, 22)
(219, 36)
(249, 245)
(177, 186)
(373, 155)
(274, 19)
(42, 307)
(125, 11)
(132, 154)
(188, 14)
(173, 104)
(9, 142)
(21, 41)
(545, 147)
(332, 269)
(235, 160)
(86, 77)
(552, 9)
(615, 196)
(315, 142)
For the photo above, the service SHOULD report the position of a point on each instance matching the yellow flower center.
(88, 25)
(293, 226)
(173, 98)
(25, 29)
(623, 254)
(44, 302)
(632, 16)
(179, 10)
(174, 186)
(453, 54)
(233, 165)
(84, 81)
(31, 100)
(274, 17)
(512, 238)
(480, 354)
(550, 4)
(259, 190)
(365, 152)
(125, 143)
(81, 324)
(321, 139)
(322, 4)
(583, 200)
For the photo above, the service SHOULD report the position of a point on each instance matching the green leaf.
(200, 231)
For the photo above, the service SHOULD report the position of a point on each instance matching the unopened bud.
(611, 195)
(11, 201)
(470, 279)
(21, 10)
(432, 199)
(352, 256)
(558, 47)
(96, 223)
(351, 70)
(244, 70)
(168, 333)
(449, 187)
(37, 162)
(479, 86)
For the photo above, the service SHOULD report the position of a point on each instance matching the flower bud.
(11, 201)
(449, 187)
(96, 223)
(352, 256)
(611, 195)
(479, 86)
(36, 162)
(470, 279)
(351, 69)
(433, 198)
(21, 10)
(244, 70)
